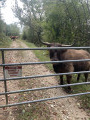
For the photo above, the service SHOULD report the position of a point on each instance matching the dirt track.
(64, 109)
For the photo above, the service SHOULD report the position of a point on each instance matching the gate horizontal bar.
(42, 100)
(45, 48)
(49, 75)
(46, 62)
(43, 88)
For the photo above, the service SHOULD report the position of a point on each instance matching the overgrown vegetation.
(12, 30)
(60, 21)
(6, 30)
(4, 41)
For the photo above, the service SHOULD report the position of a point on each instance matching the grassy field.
(84, 99)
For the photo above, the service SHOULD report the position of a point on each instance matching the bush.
(4, 41)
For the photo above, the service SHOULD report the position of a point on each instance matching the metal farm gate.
(4, 80)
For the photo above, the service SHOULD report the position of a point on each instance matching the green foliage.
(29, 35)
(5, 32)
(12, 30)
(2, 23)
(2, 26)
(55, 21)
(31, 15)
(67, 21)
(4, 41)
(24, 35)
(8, 30)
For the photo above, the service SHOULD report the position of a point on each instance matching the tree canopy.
(55, 20)
(6, 30)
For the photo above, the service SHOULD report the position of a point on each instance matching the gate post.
(5, 82)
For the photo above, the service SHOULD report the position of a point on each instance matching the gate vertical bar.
(5, 82)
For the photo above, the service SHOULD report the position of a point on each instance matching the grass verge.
(42, 55)
(4, 41)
